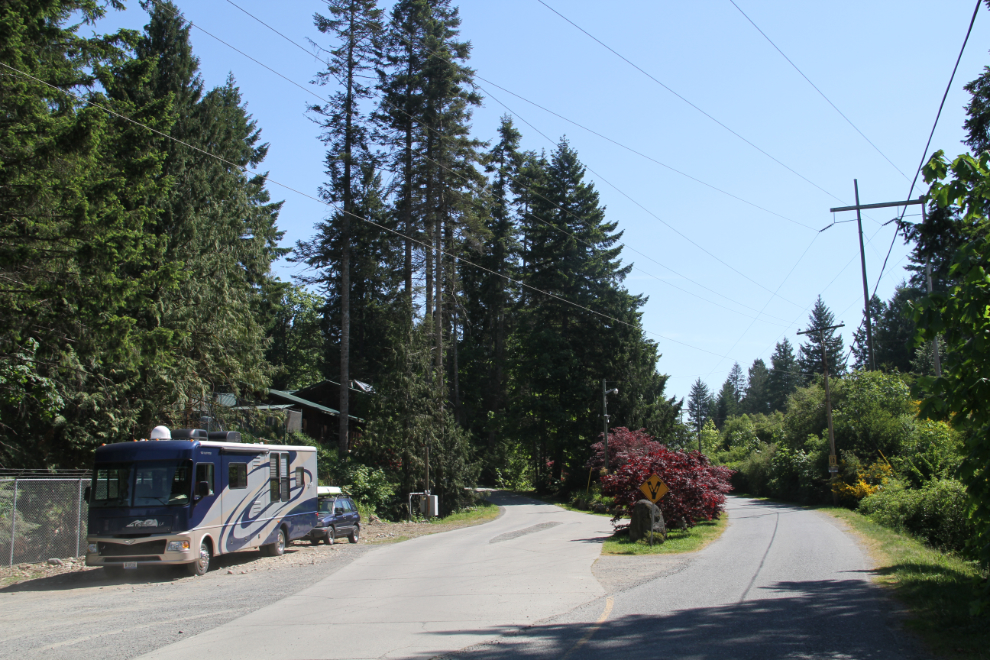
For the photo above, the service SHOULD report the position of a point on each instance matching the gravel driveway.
(72, 611)
(85, 614)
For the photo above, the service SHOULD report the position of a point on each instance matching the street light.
(605, 393)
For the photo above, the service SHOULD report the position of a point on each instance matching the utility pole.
(935, 357)
(866, 287)
(833, 463)
(605, 393)
(862, 255)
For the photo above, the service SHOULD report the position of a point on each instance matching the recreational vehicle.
(191, 495)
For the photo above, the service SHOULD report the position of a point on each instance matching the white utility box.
(432, 506)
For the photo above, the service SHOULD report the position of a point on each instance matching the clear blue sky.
(885, 65)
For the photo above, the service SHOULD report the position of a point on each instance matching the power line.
(355, 215)
(928, 144)
(567, 211)
(651, 213)
(641, 154)
(827, 99)
(769, 300)
(657, 81)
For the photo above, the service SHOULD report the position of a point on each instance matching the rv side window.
(237, 475)
(204, 472)
(300, 477)
(273, 479)
(284, 477)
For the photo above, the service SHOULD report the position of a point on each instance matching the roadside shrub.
(753, 472)
(369, 486)
(794, 475)
(937, 512)
(697, 488)
(934, 451)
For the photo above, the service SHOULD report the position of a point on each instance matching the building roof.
(287, 396)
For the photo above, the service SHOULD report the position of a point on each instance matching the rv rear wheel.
(202, 563)
(276, 549)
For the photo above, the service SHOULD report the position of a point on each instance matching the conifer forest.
(471, 292)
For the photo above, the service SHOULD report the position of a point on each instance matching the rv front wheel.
(202, 563)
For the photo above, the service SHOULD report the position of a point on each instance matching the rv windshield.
(143, 483)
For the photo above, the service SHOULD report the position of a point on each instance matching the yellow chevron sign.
(654, 488)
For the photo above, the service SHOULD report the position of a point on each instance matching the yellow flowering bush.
(869, 480)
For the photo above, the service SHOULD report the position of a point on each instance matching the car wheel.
(331, 536)
(202, 563)
(355, 534)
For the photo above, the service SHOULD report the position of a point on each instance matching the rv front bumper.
(115, 551)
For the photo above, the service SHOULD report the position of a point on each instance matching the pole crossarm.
(883, 205)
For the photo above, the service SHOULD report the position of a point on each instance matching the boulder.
(639, 527)
(56, 562)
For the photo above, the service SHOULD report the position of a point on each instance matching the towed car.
(336, 517)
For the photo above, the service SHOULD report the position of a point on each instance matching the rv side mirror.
(86, 493)
(202, 489)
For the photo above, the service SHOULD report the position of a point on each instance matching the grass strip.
(480, 512)
(936, 587)
(678, 541)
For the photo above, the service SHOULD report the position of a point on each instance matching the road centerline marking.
(609, 602)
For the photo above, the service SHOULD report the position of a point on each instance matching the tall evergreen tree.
(810, 360)
(893, 331)
(757, 398)
(784, 376)
(488, 298)
(725, 404)
(738, 381)
(296, 349)
(75, 187)
(217, 229)
(565, 352)
(400, 64)
(355, 26)
(699, 405)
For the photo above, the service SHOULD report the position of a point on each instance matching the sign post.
(654, 488)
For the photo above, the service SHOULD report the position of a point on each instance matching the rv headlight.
(177, 546)
(93, 549)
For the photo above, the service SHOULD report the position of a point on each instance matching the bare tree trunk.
(345, 251)
(407, 184)
(438, 314)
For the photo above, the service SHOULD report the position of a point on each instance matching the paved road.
(428, 595)
(781, 582)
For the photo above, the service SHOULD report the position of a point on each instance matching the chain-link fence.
(41, 519)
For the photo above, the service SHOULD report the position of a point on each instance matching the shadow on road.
(834, 619)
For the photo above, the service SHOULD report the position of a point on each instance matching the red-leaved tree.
(623, 444)
(697, 488)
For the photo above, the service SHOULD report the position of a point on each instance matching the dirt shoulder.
(68, 570)
(71, 610)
